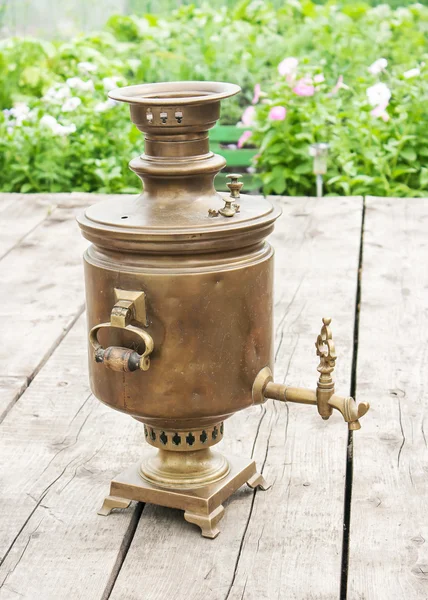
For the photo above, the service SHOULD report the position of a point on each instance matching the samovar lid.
(179, 210)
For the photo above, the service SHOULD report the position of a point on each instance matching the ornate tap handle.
(326, 398)
(325, 349)
(327, 353)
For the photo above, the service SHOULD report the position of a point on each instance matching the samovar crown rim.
(176, 93)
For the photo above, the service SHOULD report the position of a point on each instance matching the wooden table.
(308, 537)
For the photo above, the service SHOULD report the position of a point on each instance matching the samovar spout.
(324, 396)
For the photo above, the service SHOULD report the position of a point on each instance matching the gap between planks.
(388, 558)
(347, 513)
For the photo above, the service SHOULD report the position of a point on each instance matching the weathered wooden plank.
(41, 278)
(389, 525)
(286, 542)
(42, 292)
(10, 389)
(19, 215)
(59, 448)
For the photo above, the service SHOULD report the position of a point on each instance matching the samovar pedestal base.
(202, 506)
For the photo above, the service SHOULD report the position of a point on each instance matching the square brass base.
(202, 505)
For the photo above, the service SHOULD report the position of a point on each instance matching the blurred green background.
(59, 133)
(51, 18)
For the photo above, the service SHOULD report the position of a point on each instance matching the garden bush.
(312, 64)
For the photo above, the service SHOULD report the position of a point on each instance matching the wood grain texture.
(10, 389)
(41, 277)
(59, 448)
(389, 524)
(286, 542)
(42, 293)
(19, 215)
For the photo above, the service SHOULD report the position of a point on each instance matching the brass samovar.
(179, 288)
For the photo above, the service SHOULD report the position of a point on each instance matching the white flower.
(110, 83)
(87, 67)
(378, 94)
(134, 63)
(378, 66)
(56, 94)
(48, 121)
(382, 12)
(66, 129)
(319, 78)
(412, 73)
(18, 114)
(75, 83)
(56, 128)
(288, 66)
(403, 14)
(71, 104)
(103, 106)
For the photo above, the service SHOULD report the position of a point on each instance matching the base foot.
(258, 481)
(202, 505)
(207, 523)
(111, 502)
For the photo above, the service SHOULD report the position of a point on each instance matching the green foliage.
(368, 154)
(52, 142)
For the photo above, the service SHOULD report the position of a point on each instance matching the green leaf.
(408, 154)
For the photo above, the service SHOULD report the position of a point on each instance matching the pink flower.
(302, 88)
(380, 112)
(257, 91)
(277, 113)
(288, 66)
(244, 138)
(319, 78)
(339, 86)
(248, 115)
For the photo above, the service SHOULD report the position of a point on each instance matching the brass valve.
(230, 205)
(323, 397)
(235, 187)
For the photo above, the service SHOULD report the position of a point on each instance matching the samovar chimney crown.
(177, 165)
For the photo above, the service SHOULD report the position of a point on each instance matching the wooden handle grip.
(118, 359)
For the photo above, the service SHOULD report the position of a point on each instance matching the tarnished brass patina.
(180, 308)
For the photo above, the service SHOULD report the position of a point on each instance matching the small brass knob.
(230, 207)
(234, 185)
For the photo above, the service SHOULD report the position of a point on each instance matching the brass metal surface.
(204, 358)
(184, 470)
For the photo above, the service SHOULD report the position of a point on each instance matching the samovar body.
(211, 323)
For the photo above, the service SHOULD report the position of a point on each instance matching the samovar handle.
(118, 358)
(130, 306)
